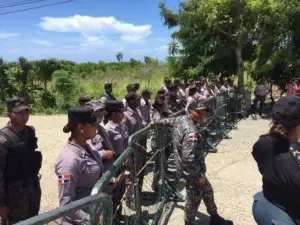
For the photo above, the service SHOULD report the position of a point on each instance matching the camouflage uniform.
(21, 196)
(188, 161)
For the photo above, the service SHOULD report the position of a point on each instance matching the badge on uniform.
(192, 137)
(64, 179)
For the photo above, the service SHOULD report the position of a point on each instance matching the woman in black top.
(279, 163)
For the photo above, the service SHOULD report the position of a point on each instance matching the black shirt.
(280, 171)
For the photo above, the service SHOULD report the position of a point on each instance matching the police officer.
(107, 96)
(101, 142)
(20, 192)
(191, 165)
(145, 105)
(118, 134)
(78, 167)
(108, 93)
(134, 121)
(161, 138)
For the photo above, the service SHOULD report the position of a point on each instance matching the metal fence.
(141, 198)
(99, 208)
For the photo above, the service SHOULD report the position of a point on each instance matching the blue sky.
(85, 30)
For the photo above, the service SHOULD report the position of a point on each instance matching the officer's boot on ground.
(218, 220)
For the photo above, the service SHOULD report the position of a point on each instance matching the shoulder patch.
(64, 179)
(192, 137)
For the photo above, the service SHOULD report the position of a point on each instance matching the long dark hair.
(278, 127)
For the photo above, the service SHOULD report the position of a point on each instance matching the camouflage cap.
(16, 105)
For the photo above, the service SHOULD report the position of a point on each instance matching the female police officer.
(77, 167)
(279, 163)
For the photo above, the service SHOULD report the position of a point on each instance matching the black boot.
(218, 220)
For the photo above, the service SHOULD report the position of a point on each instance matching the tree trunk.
(271, 94)
(240, 66)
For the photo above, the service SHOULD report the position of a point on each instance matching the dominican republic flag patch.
(192, 137)
(64, 179)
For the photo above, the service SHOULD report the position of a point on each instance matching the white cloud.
(4, 35)
(162, 48)
(96, 25)
(43, 42)
(91, 42)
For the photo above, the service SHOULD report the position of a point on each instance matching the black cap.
(136, 85)
(286, 111)
(131, 96)
(146, 91)
(84, 99)
(16, 104)
(81, 115)
(131, 88)
(114, 106)
(95, 105)
(107, 85)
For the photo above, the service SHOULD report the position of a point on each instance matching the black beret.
(114, 105)
(81, 115)
(16, 104)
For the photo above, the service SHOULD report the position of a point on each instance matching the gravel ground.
(231, 171)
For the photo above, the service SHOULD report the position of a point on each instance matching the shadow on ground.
(201, 219)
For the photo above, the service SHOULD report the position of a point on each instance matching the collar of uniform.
(79, 149)
(113, 125)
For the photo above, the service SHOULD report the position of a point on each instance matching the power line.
(20, 3)
(37, 7)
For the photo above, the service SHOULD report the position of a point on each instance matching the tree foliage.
(219, 37)
(53, 85)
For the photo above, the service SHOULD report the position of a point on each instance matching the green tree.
(119, 56)
(173, 48)
(213, 27)
(44, 69)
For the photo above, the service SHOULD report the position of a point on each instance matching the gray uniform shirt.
(100, 143)
(106, 97)
(133, 120)
(118, 135)
(145, 109)
(78, 170)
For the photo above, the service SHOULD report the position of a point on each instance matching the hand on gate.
(3, 212)
(109, 155)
